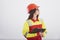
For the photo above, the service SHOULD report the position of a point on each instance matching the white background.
(13, 14)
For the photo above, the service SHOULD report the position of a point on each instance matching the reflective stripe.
(29, 23)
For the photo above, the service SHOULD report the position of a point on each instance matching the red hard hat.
(31, 7)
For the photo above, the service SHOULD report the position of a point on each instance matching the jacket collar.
(34, 20)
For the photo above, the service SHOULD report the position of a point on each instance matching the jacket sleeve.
(44, 27)
(26, 30)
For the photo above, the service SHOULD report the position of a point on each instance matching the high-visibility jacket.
(27, 27)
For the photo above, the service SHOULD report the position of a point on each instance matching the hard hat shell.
(31, 7)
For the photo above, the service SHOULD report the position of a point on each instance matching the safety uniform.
(29, 25)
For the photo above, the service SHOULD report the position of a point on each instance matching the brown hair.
(31, 14)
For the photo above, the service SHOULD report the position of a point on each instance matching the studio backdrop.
(13, 14)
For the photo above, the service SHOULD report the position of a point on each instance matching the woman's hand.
(41, 34)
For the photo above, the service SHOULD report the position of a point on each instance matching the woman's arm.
(26, 31)
(44, 27)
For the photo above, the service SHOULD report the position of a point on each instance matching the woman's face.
(37, 12)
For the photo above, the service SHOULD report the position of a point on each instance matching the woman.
(33, 22)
